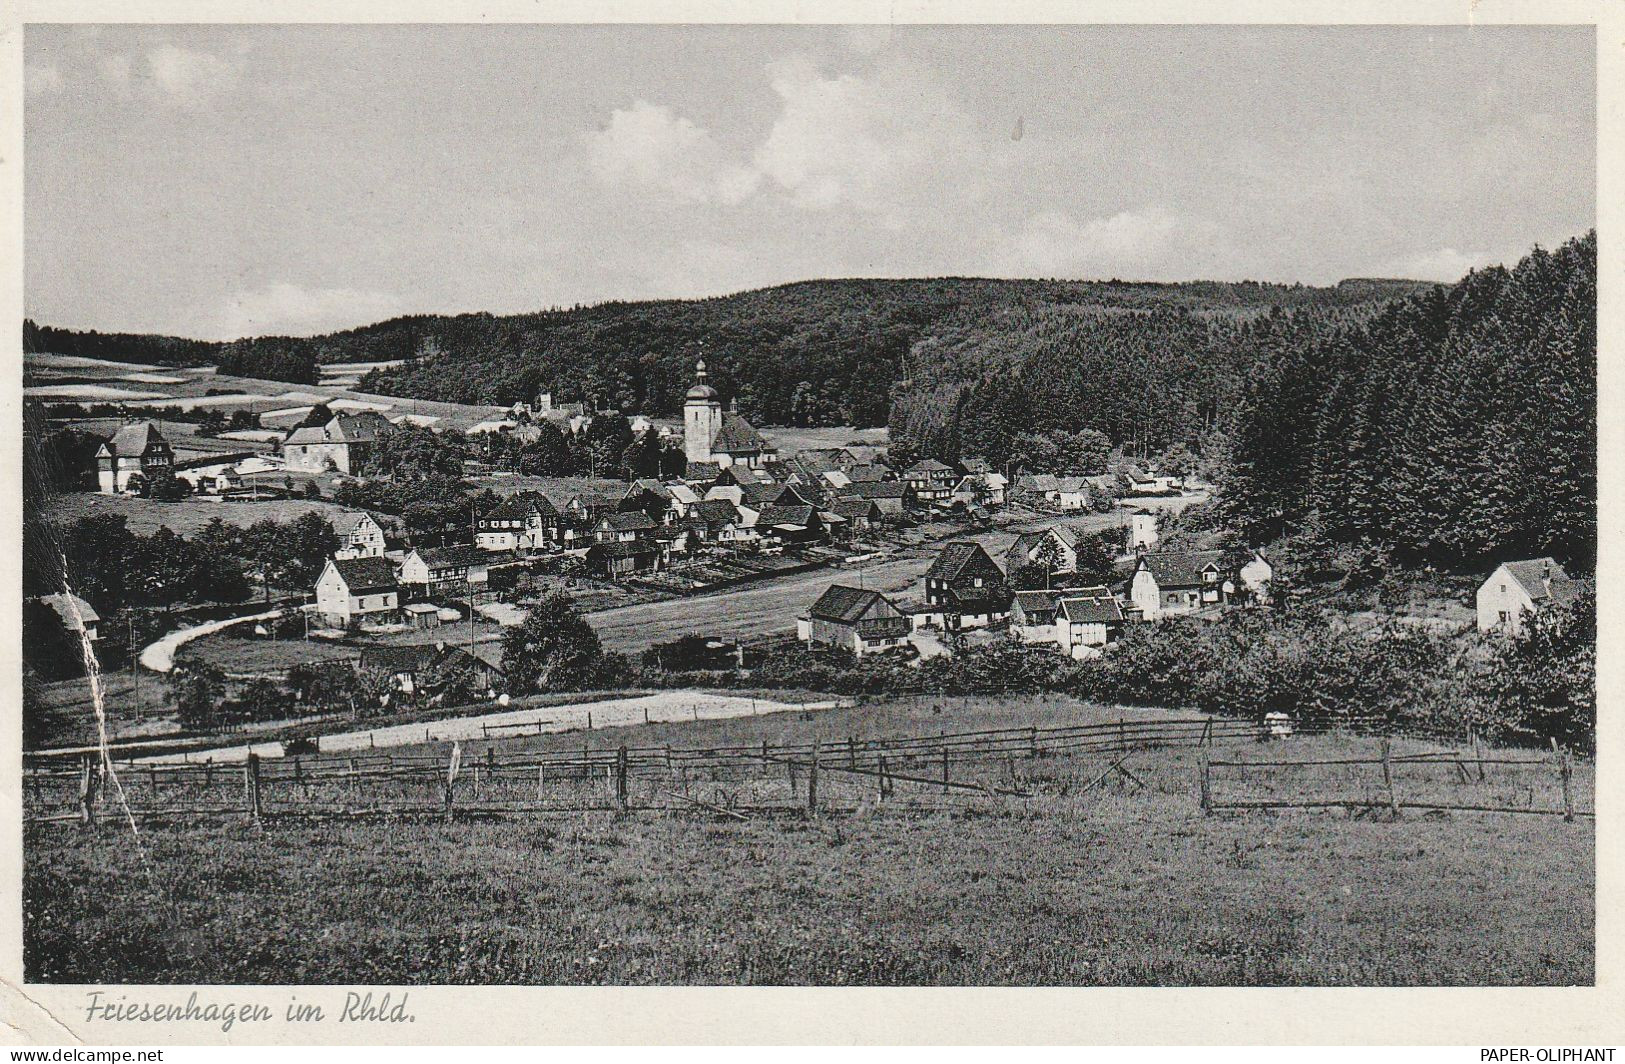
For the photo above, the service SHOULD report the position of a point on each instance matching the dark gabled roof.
(845, 605)
(1183, 568)
(647, 484)
(953, 558)
(867, 473)
(854, 506)
(1533, 575)
(738, 436)
(698, 472)
(876, 489)
(823, 459)
(358, 428)
(1038, 601)
(450, 557)
(974, 466)
(133, 440)
(773, 516)
(398, 659)
(631, 521)
(929, 465)
(74, 612)
(988, 598)
(621, 550)
(1090, 605)
(717, 511)
(366, 574)
(345, 523)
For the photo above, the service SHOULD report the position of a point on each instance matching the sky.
(218, 182)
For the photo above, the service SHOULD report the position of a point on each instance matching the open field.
(1113, 885)
(183, 516)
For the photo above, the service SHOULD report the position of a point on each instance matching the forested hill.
(816, 352)
(1456, 426)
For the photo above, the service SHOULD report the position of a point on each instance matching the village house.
(1056, 546)
(412, 670)
(137, 450)
(889, 496)
(449, 571)
(357, 592)
(931, 481)
(615, 559)
(1032, 616)
(1175, 582)
(622, 527)
(710, 435)
(966, 587)
(980, 489)
(1142, 530)
(524, 521)
(77, 616)
(861, 515)
(360, 535)
(340, 446)
(1087, 619)
(799, 523)
(854, 619)
(1516, 590)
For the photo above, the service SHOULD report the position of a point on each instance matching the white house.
(1517, 589)
(137, 450)
(360, 535)
(1142, 530)
(1086, 620)
(357, 592)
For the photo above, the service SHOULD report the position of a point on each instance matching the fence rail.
(766, 778)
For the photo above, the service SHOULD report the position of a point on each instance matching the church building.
(711, 434)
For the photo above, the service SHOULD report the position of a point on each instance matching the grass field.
(184, 516)
(1111, 886)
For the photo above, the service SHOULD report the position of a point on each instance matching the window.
(1505, 617)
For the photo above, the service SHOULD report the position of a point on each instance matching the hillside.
(811, 353)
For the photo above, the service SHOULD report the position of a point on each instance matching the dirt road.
(772, 607)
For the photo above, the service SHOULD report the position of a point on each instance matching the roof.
(1090, 605)
(953, 558)
(345, 523)
(620, 550)
(643, 484)
(450, 557)
(421, 607)
(398, 659)
(631, 521)
(929, 465)
(365, 574)
(738, 436)
(854, 507)
(975, 465)
(1037, 601)
(866, 474)
(134, 439)
(844, 604)
(799, 516)
(698, 471)
(1543, 580)
(74, 611)
(717, 510)
(877, 489)
(682, 493)
(1182, 568)
(521, 504)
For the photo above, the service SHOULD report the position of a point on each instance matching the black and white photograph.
(861, 505)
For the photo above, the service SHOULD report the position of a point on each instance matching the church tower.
(702, 417)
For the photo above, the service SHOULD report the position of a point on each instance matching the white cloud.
(289, 309)
(651, 148)
(1054, 243)
(40, 78)
(187, 77)
(1445, 264)
(876, 144)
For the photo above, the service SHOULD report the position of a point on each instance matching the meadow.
(1125, 882)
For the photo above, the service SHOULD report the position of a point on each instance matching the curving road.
(160, 656)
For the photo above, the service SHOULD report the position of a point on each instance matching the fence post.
(1032, 743)
(1207, 733)
(541, 781)
(945, 768)
(1565, 772)
(620, 776)
(251, 784)
(851, 752)
(882, 777)
(452, 767)
(1207, 793)
(1122, 735)
(87, 814)
(1478, 756)
(354, 783)
(1388, 775)
(812, 779)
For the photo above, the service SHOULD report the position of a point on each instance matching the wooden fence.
(1390, 783)
(829, 775)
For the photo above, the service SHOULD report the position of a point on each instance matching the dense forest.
(814, 353)
(1455, 426)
